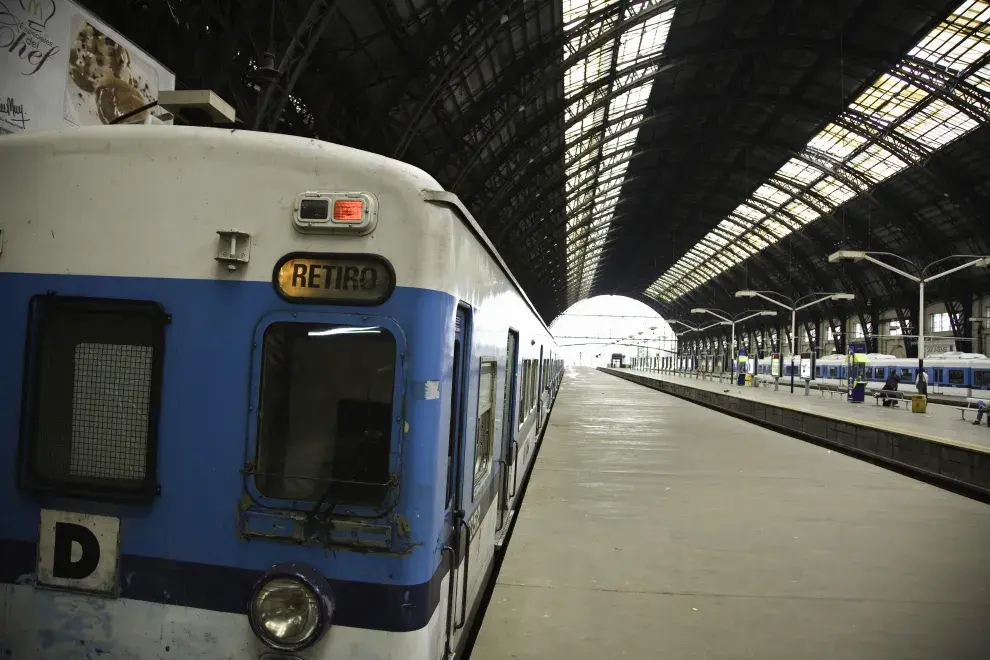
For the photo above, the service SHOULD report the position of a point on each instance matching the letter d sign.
(78, 551)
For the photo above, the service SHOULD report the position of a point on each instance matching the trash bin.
(919, 402)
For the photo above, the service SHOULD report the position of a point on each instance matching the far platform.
(937, 445)
(941, 424)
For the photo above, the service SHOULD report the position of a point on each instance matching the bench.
(887, 395)
(832, 389)
(970, 405)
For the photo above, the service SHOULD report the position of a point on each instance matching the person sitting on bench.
(981, 410)
(893, 380)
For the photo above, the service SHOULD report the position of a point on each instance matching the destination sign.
(352, 279)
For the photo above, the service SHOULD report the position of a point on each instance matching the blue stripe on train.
(204, 423)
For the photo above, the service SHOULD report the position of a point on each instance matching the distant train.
(954, 373)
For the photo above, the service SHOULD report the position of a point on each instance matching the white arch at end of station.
(592, 330)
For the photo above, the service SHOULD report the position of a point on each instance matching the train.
(951, 374)
(263, 397)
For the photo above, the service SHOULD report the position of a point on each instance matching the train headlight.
(291, 607)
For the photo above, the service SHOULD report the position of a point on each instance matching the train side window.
(905, 373)
(92, 387)
(981, 377)
(878, 373)
(956, 377)
(485, 432)
(325, 414)
(937, 375)
(833, 372)
(535, 391)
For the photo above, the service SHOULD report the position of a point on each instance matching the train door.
(456, 475)
(508, 424)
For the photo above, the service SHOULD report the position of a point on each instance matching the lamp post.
(738, 318)
(794, 306)
(974, 260)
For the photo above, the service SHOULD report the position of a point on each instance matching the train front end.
(219, 403)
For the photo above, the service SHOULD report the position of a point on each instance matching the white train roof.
(147, 201)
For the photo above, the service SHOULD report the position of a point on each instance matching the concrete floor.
(655, 528)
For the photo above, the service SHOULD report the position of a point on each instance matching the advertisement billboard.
(61, 66)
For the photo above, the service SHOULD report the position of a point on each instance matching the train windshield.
(325, 414)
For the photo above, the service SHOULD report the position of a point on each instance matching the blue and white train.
(261, 397)
(954, 374)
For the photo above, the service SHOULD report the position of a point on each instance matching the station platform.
(653, 527)
(942, 424)
(937, 444)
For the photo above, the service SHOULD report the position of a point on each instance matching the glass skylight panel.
(586, 123)
(629, 50)
(802, 211)
(749, 213)
(576, 10)
(692, 261)
(632, 99)
(704, 248)
(643, 41)
(937, 124)
(586, 72)
(716, 239)
(623, 126)
(619, 143)
(706, 272)
(888, 99)
(737, 250)
(981, 78)
(834, 191)
(960, 40)
(877, 163)
(776, 228)
(755, 240)
(837, 141)
(771, 195)
(703, 259)
(800, 172)
(732, 229)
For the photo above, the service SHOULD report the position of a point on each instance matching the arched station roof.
(670, 150)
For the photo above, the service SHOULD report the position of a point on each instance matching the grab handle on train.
(447, 550)
(503, 488)
(467, 571)
(515, 462)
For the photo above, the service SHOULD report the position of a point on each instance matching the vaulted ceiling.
(671, 150)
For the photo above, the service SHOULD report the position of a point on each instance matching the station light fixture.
(919, 275)
(745, 294)
(847, 255)
(843, 296)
